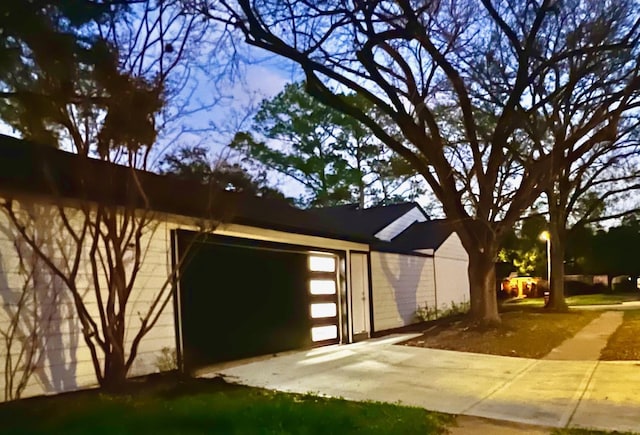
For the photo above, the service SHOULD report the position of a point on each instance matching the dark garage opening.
(239, 301)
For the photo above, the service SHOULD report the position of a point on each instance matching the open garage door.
(240, 298)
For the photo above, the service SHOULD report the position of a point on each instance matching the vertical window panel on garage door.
(323, 291)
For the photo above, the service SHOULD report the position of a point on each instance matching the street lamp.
(545, 236)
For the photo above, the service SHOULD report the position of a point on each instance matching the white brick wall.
(399, 284)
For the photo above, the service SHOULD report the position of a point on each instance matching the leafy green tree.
(192, 163)
(523, 248)
(579, 249)
(335, 157)
(612, 251)
(62, 80)
(188, 163)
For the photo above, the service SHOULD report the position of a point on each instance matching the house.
(414, 262)
(521, 286)
(255, 276)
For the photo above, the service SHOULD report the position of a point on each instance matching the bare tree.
(596, 186)
(103, 236)
(25, 327)
(111, 111)
(423, 65)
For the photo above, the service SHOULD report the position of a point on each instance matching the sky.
(217, 109)
(214, 110)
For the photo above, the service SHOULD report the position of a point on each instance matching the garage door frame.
(343, 321)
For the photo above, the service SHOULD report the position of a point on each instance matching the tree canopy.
(333, 156)
(468, 85)
(193, 163)
(92, 76)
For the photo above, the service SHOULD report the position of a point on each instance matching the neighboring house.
(270, 277)
(522, 286)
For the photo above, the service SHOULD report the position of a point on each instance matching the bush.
(601, 288)
(426, 313)
(576, 288)
(625, 286)
(167, 360)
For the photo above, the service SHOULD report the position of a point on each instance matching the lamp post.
(545, 236)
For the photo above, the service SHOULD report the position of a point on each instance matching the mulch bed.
(528, 334)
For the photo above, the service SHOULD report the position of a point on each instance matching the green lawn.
(624, 344)
(595, 299)
(524, 302)
(603, 298)
(211, 407)
(588, 432)
(214, 407)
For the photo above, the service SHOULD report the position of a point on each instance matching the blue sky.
(219, 107)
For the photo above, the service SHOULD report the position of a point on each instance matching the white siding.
(66, 361)
(400, 283)
(402, 223)
(452, 280)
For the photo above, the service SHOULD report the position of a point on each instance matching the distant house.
(269, 278)
(522, 286)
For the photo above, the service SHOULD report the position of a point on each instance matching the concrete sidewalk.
(589, 394)
(590, 340)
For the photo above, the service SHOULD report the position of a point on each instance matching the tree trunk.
(482, 283)
(115, 371)
(557, 235)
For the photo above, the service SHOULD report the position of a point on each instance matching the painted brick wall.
(399, 284)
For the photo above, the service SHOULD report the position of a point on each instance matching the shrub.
(575, 288)
(426, 313)
(167, 360)
(454, 308)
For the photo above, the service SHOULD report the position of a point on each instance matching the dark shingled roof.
(422, 235)
(369, 221)
(30, 168)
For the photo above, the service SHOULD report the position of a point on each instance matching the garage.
(240, 298)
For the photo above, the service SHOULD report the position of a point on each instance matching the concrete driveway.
(589, 394)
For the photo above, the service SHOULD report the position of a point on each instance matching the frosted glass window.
(319, 311)
(321, 333)
(322, 264)
(322, 287)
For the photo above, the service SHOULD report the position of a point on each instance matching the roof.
(26, 167)
(422, 235)
(369, 221)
